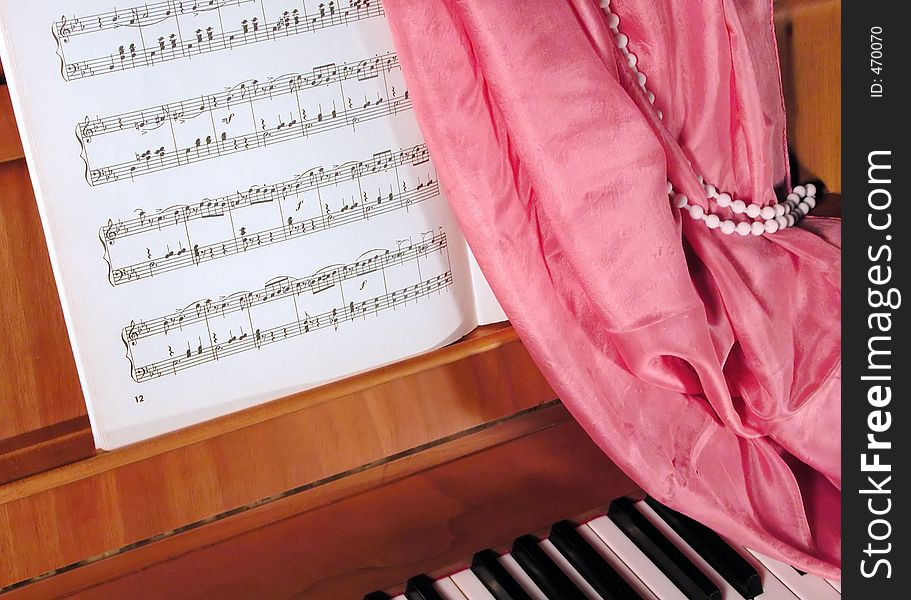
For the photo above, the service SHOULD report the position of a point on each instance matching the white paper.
(487, 307)
(236, 197)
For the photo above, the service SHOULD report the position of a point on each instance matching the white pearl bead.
(738, 206)
(632, 59)
(724, 199)
(670, 187)
(791, 220)
(728, 227)
(651, 97)
(710, 190)
(712, 221)
(696, 211)
(804, 207)
(782, 222)
(779, 210)
(811, 189)
(757, 228)
(680, 200)
(605, 3)
(767, 213)
(787, 206)
(660, 114)
(800, 191)
(622, 40)
(640, 76)
(744, 228)
(612, 20)
(793, 198)
(810, 201)
(771, 226)
(753, 210)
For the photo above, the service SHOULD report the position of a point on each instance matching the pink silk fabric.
(707, 366)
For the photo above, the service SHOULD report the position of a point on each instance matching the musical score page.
(237, 200)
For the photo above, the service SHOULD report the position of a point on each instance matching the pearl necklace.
(770, 218)
(766, 219)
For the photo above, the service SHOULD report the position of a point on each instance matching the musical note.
(232, 180)
(208, 127)
(214, 329)
(104, 43)
(385, 164)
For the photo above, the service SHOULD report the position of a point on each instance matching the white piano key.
(613, 560)
(805, 587)
(639, 563)
(448, 589)
(835, 584)
(521, 577)
(471, 586)
(569, 570)
(772, 587)
(727, 592)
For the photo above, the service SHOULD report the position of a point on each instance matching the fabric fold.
(705, 365)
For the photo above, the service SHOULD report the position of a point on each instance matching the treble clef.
(131, 333)
(64, 30)
(112, 230)
(88, 131)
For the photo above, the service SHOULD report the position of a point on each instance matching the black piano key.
(710, 546)
(543, 571)
(590, 565)
(661, 551)
(377, 596)
(496, 578)
(420, 587)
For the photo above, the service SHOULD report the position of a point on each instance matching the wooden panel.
(829, 206)
(431, 519)
(38, 382)
(45, 449)
(10, 146)
(122, 497)
(44, 424)
(809, 41)
(481, 340)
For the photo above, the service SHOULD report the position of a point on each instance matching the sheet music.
(237, 199)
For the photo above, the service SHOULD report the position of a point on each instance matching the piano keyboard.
(638, 550)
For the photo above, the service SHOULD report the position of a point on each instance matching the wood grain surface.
(39, 387)
(10, 145)
(122, 497)
(428, 512)
(809, 42)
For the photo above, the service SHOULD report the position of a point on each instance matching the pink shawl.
(706, 365)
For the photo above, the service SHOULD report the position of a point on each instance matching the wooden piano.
(329, 494)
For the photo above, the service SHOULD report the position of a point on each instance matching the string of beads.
(766, 219)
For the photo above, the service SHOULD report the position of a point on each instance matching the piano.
(457, 474)
(637, 550)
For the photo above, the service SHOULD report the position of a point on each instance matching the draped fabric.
(705, 365)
